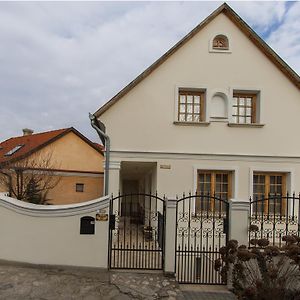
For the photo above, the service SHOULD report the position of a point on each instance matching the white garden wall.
(50, 235)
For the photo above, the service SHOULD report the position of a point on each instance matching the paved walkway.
(46, 283)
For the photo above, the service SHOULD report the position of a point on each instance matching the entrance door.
(131, 207)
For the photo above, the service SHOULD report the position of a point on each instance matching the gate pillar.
(114, 177)
(239, 212)
(170, 237)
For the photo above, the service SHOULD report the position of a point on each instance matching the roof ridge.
(35, 134)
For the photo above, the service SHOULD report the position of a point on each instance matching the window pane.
(189, 118)
(181, 117)
(197, 109)
(182, 98)
(248, 120)
(196, 99)
(242, 111)
(189, 99)
(196, 118)
(189, 108)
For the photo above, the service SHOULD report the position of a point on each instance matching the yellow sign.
(101, 217)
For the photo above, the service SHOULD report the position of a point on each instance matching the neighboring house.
(216, 114)
(65, 156)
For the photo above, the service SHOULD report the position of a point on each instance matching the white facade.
(143, 124)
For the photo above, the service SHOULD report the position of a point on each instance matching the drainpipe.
(100, 128)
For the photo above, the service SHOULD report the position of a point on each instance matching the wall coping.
(65, 210)
(238, 204)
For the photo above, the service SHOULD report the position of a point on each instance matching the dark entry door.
(131, 208)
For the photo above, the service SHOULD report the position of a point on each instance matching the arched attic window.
(220, 42)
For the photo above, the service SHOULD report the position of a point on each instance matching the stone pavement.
(206, 292)
(46, 283)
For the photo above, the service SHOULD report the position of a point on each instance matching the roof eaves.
(159, 61)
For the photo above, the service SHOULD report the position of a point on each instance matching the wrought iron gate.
(274, 217)
(136, 232)
(201, 230)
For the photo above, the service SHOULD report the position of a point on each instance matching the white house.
(216, 115)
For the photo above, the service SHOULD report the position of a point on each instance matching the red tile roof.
(101, 147)
(30, 143)
(34, 142)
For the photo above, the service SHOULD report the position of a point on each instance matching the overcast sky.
(61, 60)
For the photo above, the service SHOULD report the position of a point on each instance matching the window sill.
(220, 51)
(191, 123)
(253, 125)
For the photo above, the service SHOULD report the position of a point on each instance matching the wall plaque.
(101, 217)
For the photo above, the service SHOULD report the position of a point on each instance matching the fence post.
(239, 211)
(170, 237)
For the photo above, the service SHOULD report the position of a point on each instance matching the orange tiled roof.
(99, 146)
(30, 143)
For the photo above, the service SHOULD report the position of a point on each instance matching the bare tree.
(30, 179)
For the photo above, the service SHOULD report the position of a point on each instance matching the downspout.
(100, 128)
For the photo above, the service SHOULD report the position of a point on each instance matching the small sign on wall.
(101, 217)
(167, 167)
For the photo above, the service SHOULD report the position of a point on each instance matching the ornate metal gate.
(274, 217)
(136, 232)
(201, 230)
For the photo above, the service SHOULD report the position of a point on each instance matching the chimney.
(27, 131)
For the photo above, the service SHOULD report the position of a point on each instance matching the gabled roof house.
(67, 154)
(217, 113)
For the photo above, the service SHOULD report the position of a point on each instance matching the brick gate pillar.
(170, 237)
(239, 212)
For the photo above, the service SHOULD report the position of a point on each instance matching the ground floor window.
(213, 183)
(268, 189)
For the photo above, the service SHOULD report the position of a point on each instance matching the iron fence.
(201, 230)
(274, 217)
(136, 232)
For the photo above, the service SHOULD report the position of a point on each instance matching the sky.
(61, 60)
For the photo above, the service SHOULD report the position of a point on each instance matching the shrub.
(263, 272)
